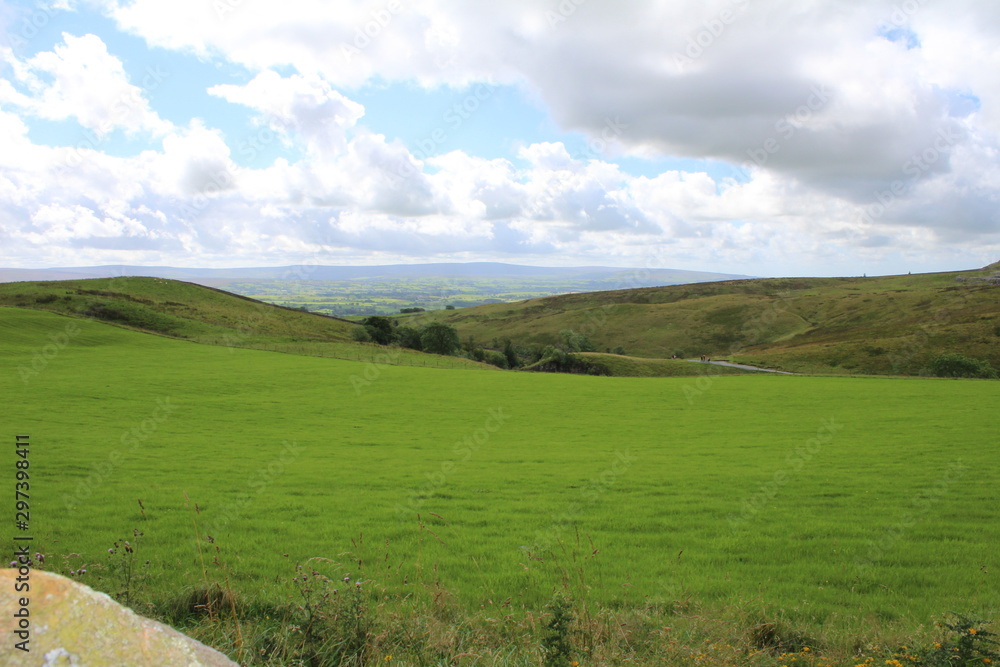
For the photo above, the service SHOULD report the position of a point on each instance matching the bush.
(956, 365)
(360, 334)
(495, 358)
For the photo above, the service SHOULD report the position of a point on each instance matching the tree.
(409, 337)
(439, 338)
(381, 329)
(510, 354)
(576, 342)
(956, 365)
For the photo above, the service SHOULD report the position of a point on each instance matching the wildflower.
(388, 658)
(973, 631)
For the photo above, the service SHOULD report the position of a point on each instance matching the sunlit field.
(837, 507)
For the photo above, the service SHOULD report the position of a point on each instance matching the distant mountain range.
(612, 276)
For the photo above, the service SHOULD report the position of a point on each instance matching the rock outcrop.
(72, 624)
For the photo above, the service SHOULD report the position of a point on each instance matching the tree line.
(440, 338)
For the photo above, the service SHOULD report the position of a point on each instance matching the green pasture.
(836, 503)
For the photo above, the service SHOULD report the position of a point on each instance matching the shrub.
(556, 643)
(956, 365)
(360, 334)
(495, 358)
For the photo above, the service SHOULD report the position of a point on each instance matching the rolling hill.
(206, 315)
(879, 325)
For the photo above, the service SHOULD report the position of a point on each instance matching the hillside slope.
(883, 325)
(206, 315)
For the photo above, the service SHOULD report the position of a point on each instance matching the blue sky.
(719, 135)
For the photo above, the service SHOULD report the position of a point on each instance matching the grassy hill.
(879, 325)
(738, 519)
(206, 315)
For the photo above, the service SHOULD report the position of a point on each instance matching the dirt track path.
(743, 366)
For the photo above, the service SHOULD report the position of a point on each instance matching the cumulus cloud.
(79, 79)
(862, 128)
(298, 107)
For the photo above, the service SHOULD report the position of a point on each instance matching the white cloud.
(825, 105)
(303, 107)
(80, 79)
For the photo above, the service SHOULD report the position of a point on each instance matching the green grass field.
(847, 510)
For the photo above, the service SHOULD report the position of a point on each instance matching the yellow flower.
(973, 631)
(388, 658)
(574, 664)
